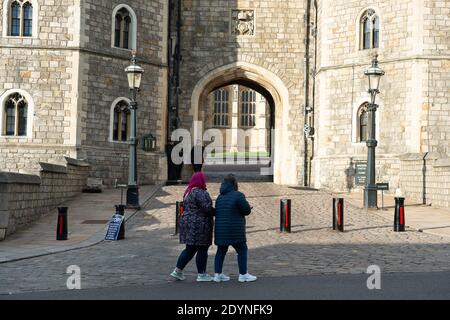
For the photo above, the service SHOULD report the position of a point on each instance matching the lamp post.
(134, 73)
(374, 74)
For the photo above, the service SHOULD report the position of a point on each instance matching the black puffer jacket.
(231, 210)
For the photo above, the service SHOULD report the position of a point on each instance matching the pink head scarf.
(198, 181)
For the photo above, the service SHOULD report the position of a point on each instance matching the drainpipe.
(313, 124)
(174, 60)
(306, 180)
(170, 70)
(424, 179)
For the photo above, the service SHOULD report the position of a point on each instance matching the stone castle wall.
(413, 115)
(105, 81)
(43, 66)
(24, 198)
(426, 176)
(73, 75)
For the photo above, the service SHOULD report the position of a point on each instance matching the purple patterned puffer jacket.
(197, 223)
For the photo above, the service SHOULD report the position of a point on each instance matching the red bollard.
(178, 214)
(62, 227)
(285, 215)
(399, 219)
(338, 214)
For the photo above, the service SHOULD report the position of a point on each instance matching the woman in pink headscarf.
(196, 228)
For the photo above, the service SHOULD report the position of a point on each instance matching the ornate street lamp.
(374, 74)
(134, 73)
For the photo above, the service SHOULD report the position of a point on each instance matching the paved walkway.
(422, 218)
(88, 218)
(150, 250)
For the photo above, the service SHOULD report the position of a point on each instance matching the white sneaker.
(221, 278)
(204, 278)
(178, 275)
(247, 278)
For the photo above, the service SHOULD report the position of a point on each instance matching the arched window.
(16, 115)
(248, 108)
(125, 26)
(370, 30)
(121, 121)
(221, 108)
(363, 122)
(21, 19)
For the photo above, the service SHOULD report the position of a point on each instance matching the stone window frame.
(218, 112)
(356, 113)
(30, 113)
(359, 27)
(133, 28)
(6, 27)
(111, 121)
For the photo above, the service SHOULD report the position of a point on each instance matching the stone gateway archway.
(273, 89)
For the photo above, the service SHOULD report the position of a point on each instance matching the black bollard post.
(120, 210)
(178, 214)
(285, 215)
(62, 227)
(338, 214)
(399, 219)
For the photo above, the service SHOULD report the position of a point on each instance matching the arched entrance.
(275, 92)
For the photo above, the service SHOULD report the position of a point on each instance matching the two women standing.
(197, 223)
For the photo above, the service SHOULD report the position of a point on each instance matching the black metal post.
(178, 214)
(286, 215)
(133, 188)
(62, 229)
(399, 219)
(371, 190)
(120, 210)
(338, 214)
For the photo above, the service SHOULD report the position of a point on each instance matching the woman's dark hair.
(231, 178)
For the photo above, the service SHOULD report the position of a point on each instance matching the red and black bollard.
(120, 210)
(338, 214)
(285, 215)
(399, 219)
(178, 214)
(62, 227)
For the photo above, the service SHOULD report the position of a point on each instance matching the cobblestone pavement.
(150, 251)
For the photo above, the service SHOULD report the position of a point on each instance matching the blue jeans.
(242, 251)
(188, 254)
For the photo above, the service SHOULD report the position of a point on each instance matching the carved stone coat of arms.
(243, 22)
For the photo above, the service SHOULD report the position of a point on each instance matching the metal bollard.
(285, 215)
(178, 214)
(338, 214)
(399, 219)
(62, 229)
(120, 210)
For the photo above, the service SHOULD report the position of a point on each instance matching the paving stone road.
(150, 251)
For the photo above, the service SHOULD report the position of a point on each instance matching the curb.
(411, 228)
(91, 242)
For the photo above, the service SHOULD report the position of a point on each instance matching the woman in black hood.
(231, 209)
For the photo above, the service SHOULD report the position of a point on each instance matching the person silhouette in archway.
(198, 156)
